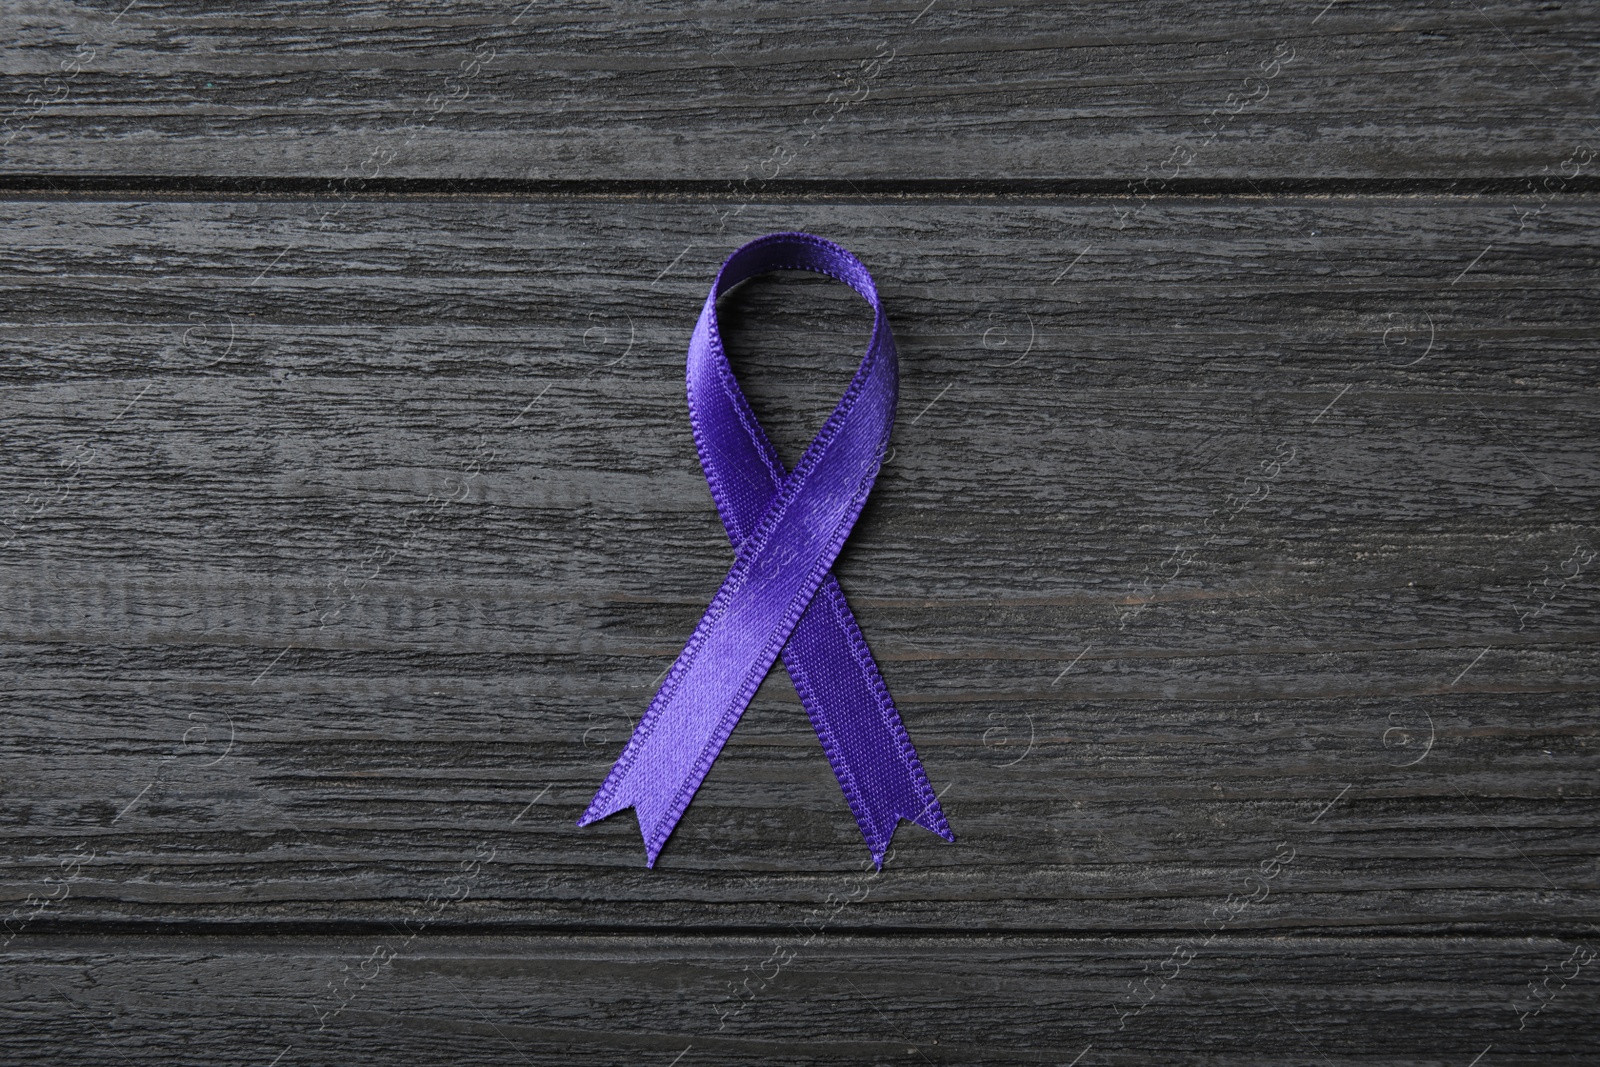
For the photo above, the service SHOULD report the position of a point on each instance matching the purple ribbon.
(786, 529)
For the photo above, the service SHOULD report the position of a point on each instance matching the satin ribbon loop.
(780, 596)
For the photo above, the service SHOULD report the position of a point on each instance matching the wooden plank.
(800, 998)
(342, 551)
(1179, 93)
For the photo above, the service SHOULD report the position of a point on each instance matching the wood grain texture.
(359, 545)
(749, 94)
(796, 1000)
(1234, 568)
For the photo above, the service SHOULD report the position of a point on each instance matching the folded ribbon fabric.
(786, 529)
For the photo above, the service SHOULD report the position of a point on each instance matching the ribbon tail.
(674, 745)
(858, 725)
(601, 808)
(879, 818)
(657, 814)
(663, 763)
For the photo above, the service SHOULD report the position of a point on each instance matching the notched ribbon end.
(655, 837)
(931, 820)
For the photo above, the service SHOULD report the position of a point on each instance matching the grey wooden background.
(1235, 567)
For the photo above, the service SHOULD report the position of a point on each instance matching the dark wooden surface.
(1234, 568)
(878, 92)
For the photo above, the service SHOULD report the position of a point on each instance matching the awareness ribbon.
(780, 595)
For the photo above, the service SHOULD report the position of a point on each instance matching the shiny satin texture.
(780, 596)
